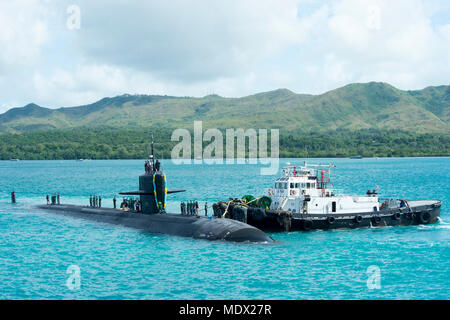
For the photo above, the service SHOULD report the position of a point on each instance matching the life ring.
(307, 225)
(358, 219)
(331, 220)
(293, 192)
(425, 217)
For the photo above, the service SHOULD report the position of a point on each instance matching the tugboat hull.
(418, 212)
(173, 224)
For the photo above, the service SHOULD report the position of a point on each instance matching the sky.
(59, 53)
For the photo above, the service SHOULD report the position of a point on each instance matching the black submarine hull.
(172, 224)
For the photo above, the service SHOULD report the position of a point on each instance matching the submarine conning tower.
(152, 187)
(149, 183)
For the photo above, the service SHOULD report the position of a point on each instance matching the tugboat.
(301, 200)
(152, 216)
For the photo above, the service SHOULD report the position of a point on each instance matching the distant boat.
(15, 159)
(356, 157)
(80, 159)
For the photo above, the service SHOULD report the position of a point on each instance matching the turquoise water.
(37, 247)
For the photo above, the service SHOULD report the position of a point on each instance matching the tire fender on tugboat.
(425, 217)
(307, 225)
(331, 220)
(376, 220)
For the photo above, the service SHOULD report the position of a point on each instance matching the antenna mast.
(153, 154)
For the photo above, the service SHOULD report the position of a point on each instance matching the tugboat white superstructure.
(302, 199)
(305, 190)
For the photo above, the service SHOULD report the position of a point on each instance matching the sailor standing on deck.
(48, 199)
(90, 200)
(114, 202)
(206, 209)
(147, 167)
(196, 207)
(58, 198)
(99, 201)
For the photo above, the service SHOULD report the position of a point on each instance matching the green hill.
(353, 107)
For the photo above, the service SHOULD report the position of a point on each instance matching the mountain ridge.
(354, 106)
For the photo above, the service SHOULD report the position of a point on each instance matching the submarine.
(153, 218)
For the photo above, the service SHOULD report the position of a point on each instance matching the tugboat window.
(308, 185)
(297, 185)
(292, 185)
(333, 206)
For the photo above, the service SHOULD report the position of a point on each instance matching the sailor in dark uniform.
(157, 165)
(206, 209)
(114, 202)
(147, 167)
(48, 199)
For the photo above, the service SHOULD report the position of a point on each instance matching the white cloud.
(232, 48)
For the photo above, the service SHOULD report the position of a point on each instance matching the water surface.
(37, 247)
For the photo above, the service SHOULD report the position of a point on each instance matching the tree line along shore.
(84, 143)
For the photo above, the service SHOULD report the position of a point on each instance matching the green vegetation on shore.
(355, 106)
(82, 143)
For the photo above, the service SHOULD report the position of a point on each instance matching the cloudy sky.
(53, 56)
